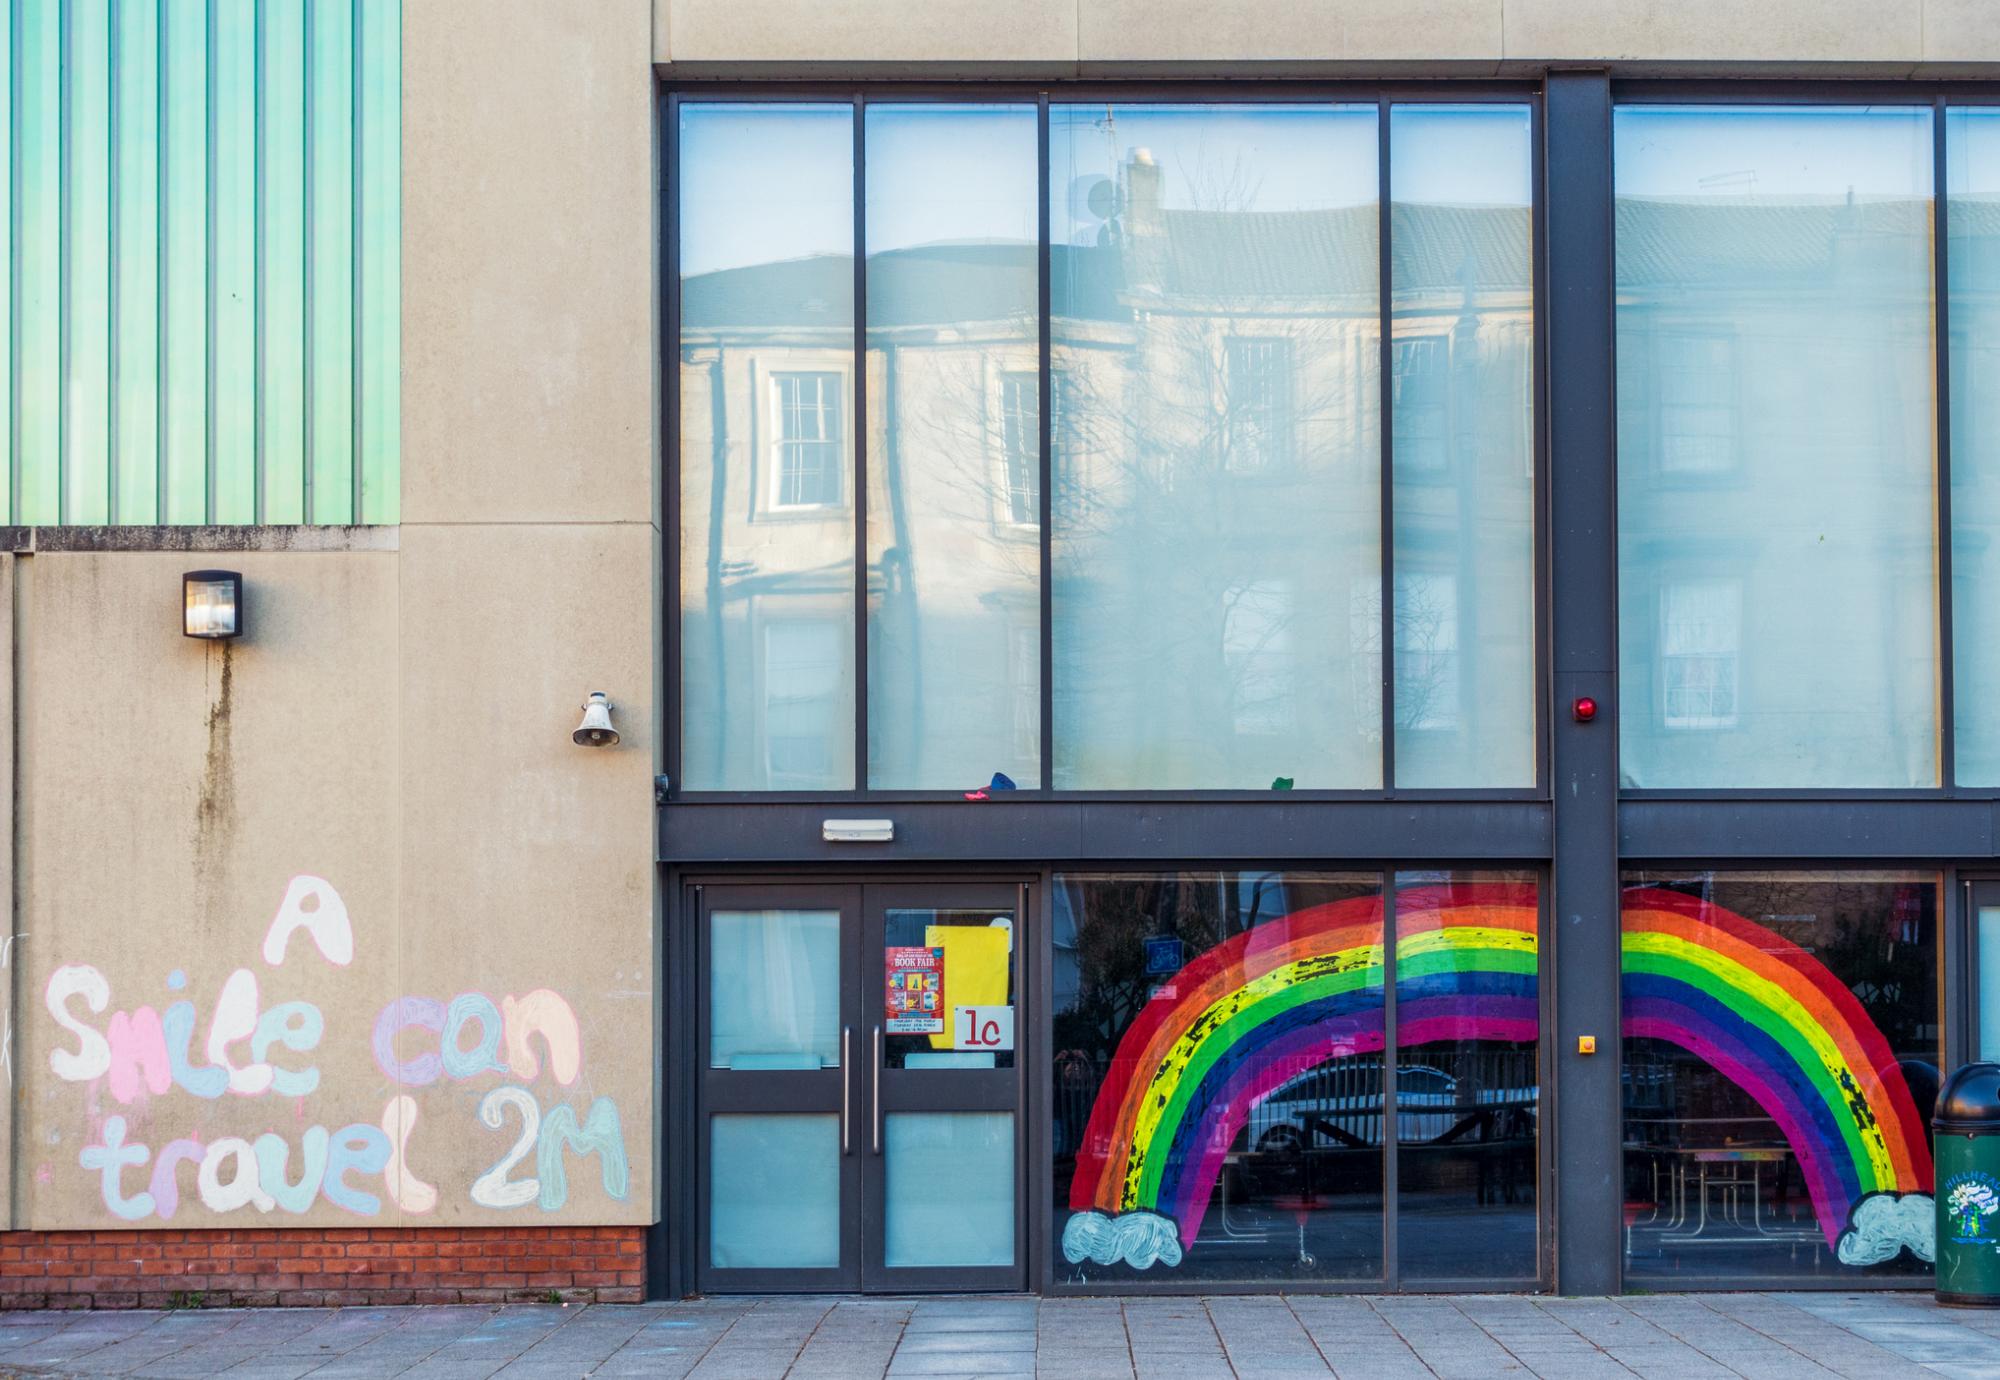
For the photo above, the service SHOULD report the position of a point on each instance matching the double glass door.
(860, 1087)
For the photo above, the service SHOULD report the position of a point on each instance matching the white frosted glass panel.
(950, 1188)
(954, 458)
(774, 1192)
(1972, 162)
(767, 446)
(1216, 502)
(1989, 984)
(774, 989)
(1777, 498)
(1462, 439)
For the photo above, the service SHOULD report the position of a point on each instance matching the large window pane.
(1216, 509)
(1781, 1059)
(1776, 481)
(954, 447)
(1468, 1080)
(766, 447)
(1972, 161)
(1462, 298)
(1218, 1101)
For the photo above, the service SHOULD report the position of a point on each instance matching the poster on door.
(915, 991)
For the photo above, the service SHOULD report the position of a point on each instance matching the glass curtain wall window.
(1777, 498)
(1230, 1071)
(1781, 1058)
(1972, 221)
(1212, 458)
(766, 466)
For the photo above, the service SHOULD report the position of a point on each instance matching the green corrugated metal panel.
(202, 210)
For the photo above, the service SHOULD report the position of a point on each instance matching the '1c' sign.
(983, 1027)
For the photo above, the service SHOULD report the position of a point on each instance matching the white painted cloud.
(1884, 1224)
(1137, 1238)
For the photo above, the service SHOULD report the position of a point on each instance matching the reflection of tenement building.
(1243, 654)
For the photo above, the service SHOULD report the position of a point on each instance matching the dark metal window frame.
(1578, 825)
(1040, 96)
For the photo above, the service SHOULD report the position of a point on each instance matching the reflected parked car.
(1341, 1104)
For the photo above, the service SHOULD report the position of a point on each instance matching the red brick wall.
(317, 1267)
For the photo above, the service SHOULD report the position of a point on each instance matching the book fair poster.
(915, 991)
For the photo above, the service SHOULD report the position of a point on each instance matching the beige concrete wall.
(1197, 37)
(395, 725)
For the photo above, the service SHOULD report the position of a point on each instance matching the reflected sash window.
(1258, 418)
(802, 672)
(805, 472)
(1427, 665)
(1257, 648)
(1020, 449)
(1423, 405)
(1697, 382)
(1700, 632)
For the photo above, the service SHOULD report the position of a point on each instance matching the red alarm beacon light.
(1585, 709)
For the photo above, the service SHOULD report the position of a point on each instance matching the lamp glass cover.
(211, 608)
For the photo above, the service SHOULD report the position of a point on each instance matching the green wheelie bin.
(1967, 1123)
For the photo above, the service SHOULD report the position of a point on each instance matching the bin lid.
(1969, 1099)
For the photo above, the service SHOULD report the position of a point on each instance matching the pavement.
(1864, 1336)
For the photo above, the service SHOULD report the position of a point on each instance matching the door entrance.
(860, 1088)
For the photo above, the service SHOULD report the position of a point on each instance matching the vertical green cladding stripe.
(184, 260)
(232, 288)
(330, 261)
(281, 283)
(86, 460)
(37, 342)
(378, 331)
(135, 336)
(202, 203)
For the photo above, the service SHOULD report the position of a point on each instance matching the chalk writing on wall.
(251, 1050)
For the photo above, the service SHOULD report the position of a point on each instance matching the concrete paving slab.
(1896, 1336)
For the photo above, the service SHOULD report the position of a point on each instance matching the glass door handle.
(876, 1115)
(846, 1086)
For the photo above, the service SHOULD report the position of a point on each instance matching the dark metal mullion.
(860, 404)
(1538, 297)
(1956, 1002)
(670, 428)
(1947, 735)
(1385, 403)
(1583, 550)
(1045, 425)
(1392, 1265)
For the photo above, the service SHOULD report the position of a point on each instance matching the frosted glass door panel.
(950, 1189)
(774, 1192)
(774, 989)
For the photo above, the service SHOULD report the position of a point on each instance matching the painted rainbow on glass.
(1768, 1016)
(1261, 1008)
(1264, 1006)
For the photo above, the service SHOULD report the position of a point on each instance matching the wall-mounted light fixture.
(858, 830)
(596, 729)
(212, 604)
